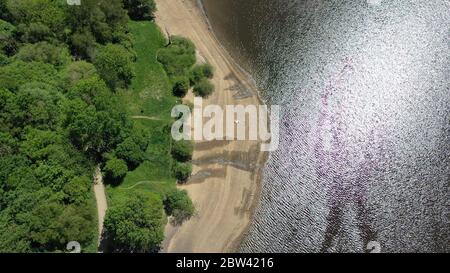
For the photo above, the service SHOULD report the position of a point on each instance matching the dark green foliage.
(131, 152)
(182, 150)
(44, 52)
(115, 170)
(178, 204)
(182, 171)
(46, 12)
(137, 223)
(114, 64)
(77, 189)
(203, 88)
(35, 32)
(77, 71)
(200, 72)
(83, 44)
(140, 9)
(181, 87)
(178, 57)
(4, 60)
(18, 73)
(60, 116)
(8, 44)
(95, 132)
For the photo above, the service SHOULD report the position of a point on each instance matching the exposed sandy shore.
(226, 176)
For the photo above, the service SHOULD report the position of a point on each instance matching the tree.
(114, 64)
(140, 9)
(131, 152)
(201, 71)
(204, 88)
(94, 132)
(39, 106)
(93, 91)
(47, 12)
(178, 57)
(115, 170)
(76, 71)
(44, 52)
(137, 223)
(83, 44)
(182, 150)
(180, 87)
(8, 44)
(17, 73)
(178, 204)
(182, 171)
(77, 190)
(35, 32)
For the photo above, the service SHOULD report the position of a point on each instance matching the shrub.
(115, 170)
(131, 152)
(182, 171)
(182, 150)
(114, 64)
(177, 58)
(136, 224)
(178, 204)
(181, 87)
(140, 9)
(204, 88)
(200, 72)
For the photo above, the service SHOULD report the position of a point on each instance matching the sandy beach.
(226, 178)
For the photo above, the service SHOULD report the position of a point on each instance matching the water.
(365, 134)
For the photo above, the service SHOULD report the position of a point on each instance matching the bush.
(7, 42)
(204, 88)
(77, 189)
(181, 87)
(131, 152)
(114, 64)
(77, 71)
(200, 72)
(182, 150)
(136, 224)
(115, 170)
(177, 58)
(178, 204)
(140, 9)
(182, 171)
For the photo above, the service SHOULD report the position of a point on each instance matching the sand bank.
(226, 174)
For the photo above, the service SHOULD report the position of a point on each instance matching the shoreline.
(227, 175)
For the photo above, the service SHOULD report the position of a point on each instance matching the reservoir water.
(365, 126)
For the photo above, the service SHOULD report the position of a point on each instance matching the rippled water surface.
(365, 134)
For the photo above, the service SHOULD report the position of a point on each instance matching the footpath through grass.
(149, 95)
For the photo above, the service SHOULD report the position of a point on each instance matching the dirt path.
(145, 117)
(100, 197)
(225, 185)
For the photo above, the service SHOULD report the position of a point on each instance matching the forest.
(72, 80)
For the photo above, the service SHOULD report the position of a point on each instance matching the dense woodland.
(62, 70)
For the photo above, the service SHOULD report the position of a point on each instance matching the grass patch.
(150, 95)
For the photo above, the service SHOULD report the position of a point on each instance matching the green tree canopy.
(182, 171)
(44, 52)
(182, 150)
(114, 64)
(178, 204)
(140, 9)
(137, 223)
(204, 88)
(115, 170)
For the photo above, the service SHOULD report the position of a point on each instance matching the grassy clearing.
(150, 95)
